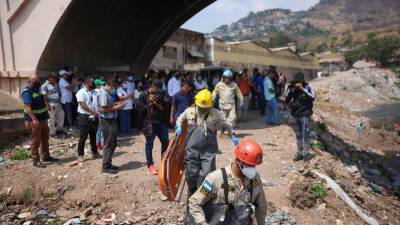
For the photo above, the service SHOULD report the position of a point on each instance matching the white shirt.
(66, 95)
(131, 87)
(174, 86)
(200, 85)
(128, 102)
(85, 96)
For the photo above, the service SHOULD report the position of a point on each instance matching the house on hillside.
(332, 62)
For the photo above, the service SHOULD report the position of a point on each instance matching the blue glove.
(206, 224)
(178, 131)
(235, 140)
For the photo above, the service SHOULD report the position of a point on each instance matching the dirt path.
(65, 191)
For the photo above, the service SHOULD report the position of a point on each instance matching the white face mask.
(249, 172)
(125, 86)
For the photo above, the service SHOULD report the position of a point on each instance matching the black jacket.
(300, 101)
(151, 112)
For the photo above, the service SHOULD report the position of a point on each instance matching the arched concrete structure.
(98, 33)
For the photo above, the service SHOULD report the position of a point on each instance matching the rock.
(24, 215)
(9, 190)
(321, 207)
(86, 213)
(41, 214)
(352, 169)
(27, 223)
(7, 217)
(109, 217)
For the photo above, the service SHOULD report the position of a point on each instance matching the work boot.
(50, 159)
(114, 167)
(39, 165)
(298, 157)
(109, 170)
(152, 170)
(308, 157)
(96, 156)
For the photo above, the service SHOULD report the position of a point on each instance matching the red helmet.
(249, 152)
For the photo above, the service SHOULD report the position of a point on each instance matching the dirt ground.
(66, 191)
(365, 165)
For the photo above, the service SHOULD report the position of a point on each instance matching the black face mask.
(36, 84)
(203, 110)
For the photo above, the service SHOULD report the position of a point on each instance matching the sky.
(229, 11)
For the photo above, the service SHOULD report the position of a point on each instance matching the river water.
(384, 116)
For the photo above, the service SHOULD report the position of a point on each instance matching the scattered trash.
(360, 127)
(73, 221)
(374, 188)
(27, 223)
(24, 215)
(9, 190)
(109, 217)
(279, 217)
(339, 222)
(27, 147)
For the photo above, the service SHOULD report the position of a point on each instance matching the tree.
(278, 39)
(321, 48)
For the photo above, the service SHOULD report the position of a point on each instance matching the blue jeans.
(124, 121)
(161, 131)
(272, 116)
(67, 107)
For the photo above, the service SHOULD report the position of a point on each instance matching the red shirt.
(244, 86)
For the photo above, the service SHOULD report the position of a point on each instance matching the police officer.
(227, 91)
(36, 116)
(232, 195)
(201, 140)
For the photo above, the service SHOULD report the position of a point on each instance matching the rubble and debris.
(339, 191)
(301, 195)
(279, 217)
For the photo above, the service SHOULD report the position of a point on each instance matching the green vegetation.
(384, 50)
(278, 39)
(27, 195)
(321, 48)
(54, 222)
(319, 190)
(21, 154)
(321, 126)
(316, 145)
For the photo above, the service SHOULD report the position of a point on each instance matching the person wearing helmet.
(227, 91)
(201, 141)
(234, 194)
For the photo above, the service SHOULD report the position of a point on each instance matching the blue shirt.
(27, 98)
(267, 86)
(182, 102)
(260, 83)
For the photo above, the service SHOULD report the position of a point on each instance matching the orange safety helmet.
(249, 152)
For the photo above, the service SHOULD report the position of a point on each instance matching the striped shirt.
(104, 99)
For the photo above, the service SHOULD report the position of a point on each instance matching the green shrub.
(27, 195)
(319, 190)
(21, 154)
(316, 146)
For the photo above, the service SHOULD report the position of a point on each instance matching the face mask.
(203, 110)
(249, 172)
(199, 78)
(125, 86)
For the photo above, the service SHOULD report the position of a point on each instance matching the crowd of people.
(105, 108)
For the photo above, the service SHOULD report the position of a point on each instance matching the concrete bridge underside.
(45, 35)
(115, 33)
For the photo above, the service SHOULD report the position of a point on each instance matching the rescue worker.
(233, 195)
(36, 116)
(201, 141)
(227, 91)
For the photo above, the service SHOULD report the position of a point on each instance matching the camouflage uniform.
(227, 96)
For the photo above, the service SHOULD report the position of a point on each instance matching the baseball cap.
(99, 82)
(62, 72)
